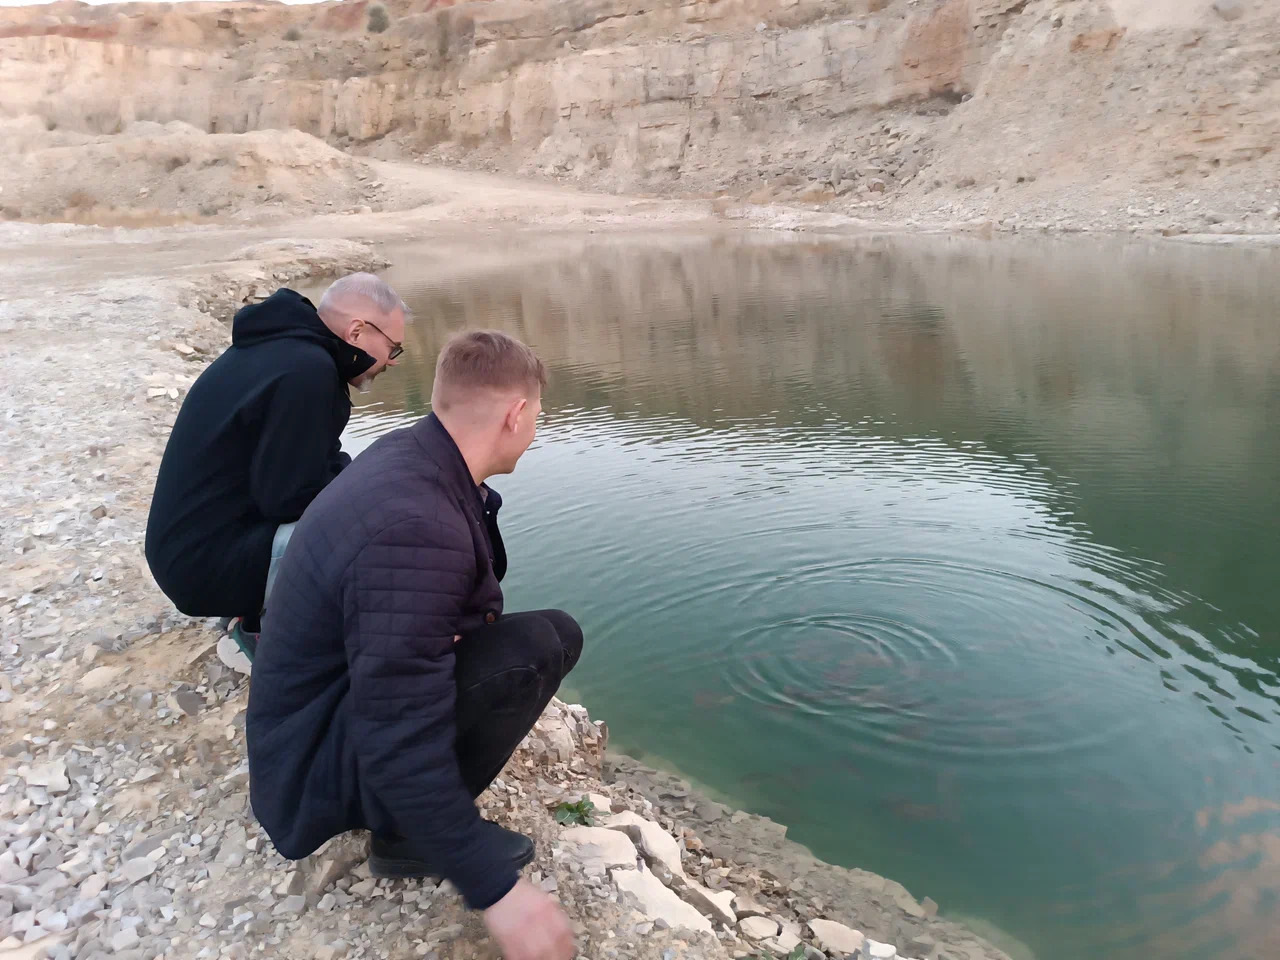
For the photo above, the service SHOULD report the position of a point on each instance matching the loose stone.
(759, 928)
(139, 868)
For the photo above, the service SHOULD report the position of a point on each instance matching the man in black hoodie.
(258, 436)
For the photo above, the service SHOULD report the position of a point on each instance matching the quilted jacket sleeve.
(403, 599)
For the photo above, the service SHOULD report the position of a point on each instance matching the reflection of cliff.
(1147, 377)
(1001, 325)
(1243, 870)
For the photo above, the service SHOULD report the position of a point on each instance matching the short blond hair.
(484, 360)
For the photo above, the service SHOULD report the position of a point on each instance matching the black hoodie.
(257, 438)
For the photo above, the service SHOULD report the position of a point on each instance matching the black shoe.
(397, 859)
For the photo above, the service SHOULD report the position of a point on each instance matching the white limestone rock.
(836, 938)
(600, 847)
(657, 902)
(655, 844)
(758, 928)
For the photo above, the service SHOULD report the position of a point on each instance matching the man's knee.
(569, 635)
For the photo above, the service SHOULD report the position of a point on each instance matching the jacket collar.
(352, 361)
(439, 443)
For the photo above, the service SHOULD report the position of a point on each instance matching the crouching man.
(258, 436)
(389, 687)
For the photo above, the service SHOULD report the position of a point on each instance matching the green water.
(960, 558)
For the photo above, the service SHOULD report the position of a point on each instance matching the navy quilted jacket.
(351, 708)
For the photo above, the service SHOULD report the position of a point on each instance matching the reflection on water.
(958, 557)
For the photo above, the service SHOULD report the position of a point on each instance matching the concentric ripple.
(904, 653)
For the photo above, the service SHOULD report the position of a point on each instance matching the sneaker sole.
(232, 656)
(391, 868)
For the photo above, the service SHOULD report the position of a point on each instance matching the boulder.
(656, 902)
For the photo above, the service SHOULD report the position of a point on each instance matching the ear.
(355, 327)
(512, 420)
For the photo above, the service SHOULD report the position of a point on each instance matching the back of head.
(478, 368)
(357, 294)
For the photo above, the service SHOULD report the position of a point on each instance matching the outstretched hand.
(529, 925)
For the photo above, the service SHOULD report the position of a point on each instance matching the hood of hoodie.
(288, 315)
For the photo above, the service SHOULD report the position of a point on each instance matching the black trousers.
(507, 672)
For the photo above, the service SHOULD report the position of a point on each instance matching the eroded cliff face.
(822, 100)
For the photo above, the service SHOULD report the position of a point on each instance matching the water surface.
(959, 558)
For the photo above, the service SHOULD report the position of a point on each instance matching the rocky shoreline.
(124, 822)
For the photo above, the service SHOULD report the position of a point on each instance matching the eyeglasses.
(397, 348)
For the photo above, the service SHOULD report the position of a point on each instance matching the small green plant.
(582, 813)
(378, 19)
(293, 34)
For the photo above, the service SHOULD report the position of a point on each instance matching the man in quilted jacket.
(390, 687)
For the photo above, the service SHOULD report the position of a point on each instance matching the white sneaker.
(229, 653)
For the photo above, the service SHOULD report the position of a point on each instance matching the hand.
(529, 925)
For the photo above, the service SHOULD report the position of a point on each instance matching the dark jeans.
(506, 673)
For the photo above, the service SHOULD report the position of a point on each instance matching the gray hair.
(343, 293)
